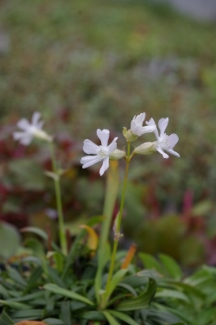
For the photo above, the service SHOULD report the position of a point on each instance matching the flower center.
(164, 141)
(103, 152)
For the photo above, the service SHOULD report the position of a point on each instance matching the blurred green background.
(95, 64)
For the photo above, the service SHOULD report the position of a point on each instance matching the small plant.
(90, 281)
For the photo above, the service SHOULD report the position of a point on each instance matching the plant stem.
(56, 178)
(118, 227)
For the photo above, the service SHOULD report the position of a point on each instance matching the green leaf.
(54, 276)
(30, 314)
(93, 315)
(53, 321)
(32, 296)
(36, 231)
(3, 292)
(110, 318)
(36, 246)
(167, 293)
(172, 268)
(66, 293)
(150, 262)
(115, 280)
(14, 304)
(66, 312)
(141, 301)
(141, 278)
(32, 281)
(5, 319)
(9, 240)
(123, 316)
(16, 276)
(72, 254)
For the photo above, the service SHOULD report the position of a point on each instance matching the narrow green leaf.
(36, 246)
(3, 292)
(16, 276)
(150, 262)
(93, 315)
(66, 293)
(53, 321)
(66, 312)
(174, 294)
(110, 318)
(36, 231)
(141, 278)
(30, 314)
(14, 304)
(53, 275)
(141, 301)
(123, 316)
(116, 279)
(33, 279)
(171, 266)
(29, 297)
(5, 319)
(72, 254)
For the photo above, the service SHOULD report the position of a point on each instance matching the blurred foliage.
(94, 64)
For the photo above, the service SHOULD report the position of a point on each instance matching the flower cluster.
(105, 151)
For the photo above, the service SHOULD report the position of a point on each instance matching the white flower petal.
(137, 121)
(162, 124)
(103, 135)
(23, 137)
(18, 135)
(104, 166)
(112, 146)
(151, 122)
(147, 129)
(173, 139)
(35, 118)
(90, 147)
(174, 153)
(88, 161)
(159, 149)
(140, 118)
(24, 124)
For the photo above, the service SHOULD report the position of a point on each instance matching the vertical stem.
(62, 237)
(118, 227)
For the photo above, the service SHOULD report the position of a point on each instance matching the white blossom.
(98, 153)
(30, 130)
(164, 141)
(137, 127)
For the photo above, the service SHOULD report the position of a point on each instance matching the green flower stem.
(56, 178)
(118, 227)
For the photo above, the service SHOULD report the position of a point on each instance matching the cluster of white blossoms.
(104, 152)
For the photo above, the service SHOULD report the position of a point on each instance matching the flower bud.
(40, 134)
(117, 154)
(146, 148)
(129, 136)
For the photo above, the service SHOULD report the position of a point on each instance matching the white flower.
(164, 141)
(137, 127)
(99, 153)
(31, 130)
